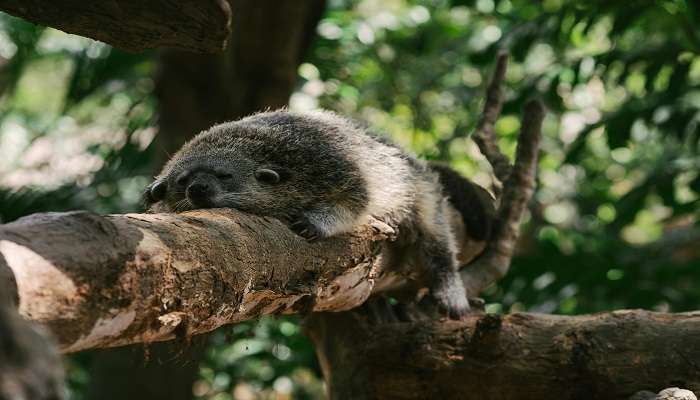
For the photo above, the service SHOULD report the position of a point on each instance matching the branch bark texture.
(105, 281)
(494, 262)
(513, 357)
(485, 134)
(100, 281)
(133, 25)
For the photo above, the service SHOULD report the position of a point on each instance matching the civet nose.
(198, 191)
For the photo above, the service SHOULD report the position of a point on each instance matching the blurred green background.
(613, 224)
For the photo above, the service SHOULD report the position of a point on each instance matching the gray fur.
(333, 176)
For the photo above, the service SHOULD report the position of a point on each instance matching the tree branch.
(134, 25)
(600, 356)
(100, 281)
(494, 262)
(485, 134)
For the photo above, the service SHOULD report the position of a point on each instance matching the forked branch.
(518, 182)
(494, 262)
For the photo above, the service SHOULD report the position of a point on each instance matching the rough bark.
(151, 277)
(517, 356)
(134, 25)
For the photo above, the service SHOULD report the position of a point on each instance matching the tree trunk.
(162, 371)
(257, 71)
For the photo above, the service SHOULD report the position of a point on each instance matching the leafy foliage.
(620, 156)
(268, 357)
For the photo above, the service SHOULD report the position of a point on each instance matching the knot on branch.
(484, 342)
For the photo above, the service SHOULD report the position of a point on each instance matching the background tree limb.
(29, 364)
(256, 71)
(133, 25)
(517, 356)
(494, 262)
(485, 133)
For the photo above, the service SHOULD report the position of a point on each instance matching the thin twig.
(517, 190)
(485, 135)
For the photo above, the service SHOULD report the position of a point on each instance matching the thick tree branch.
(134, 25)
(517, 356)
(100, 281)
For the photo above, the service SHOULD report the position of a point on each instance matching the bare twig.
(494, 262)
(485, 135)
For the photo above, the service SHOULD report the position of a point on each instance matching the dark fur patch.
(305, 146)
(313, 165)
(471, 200)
